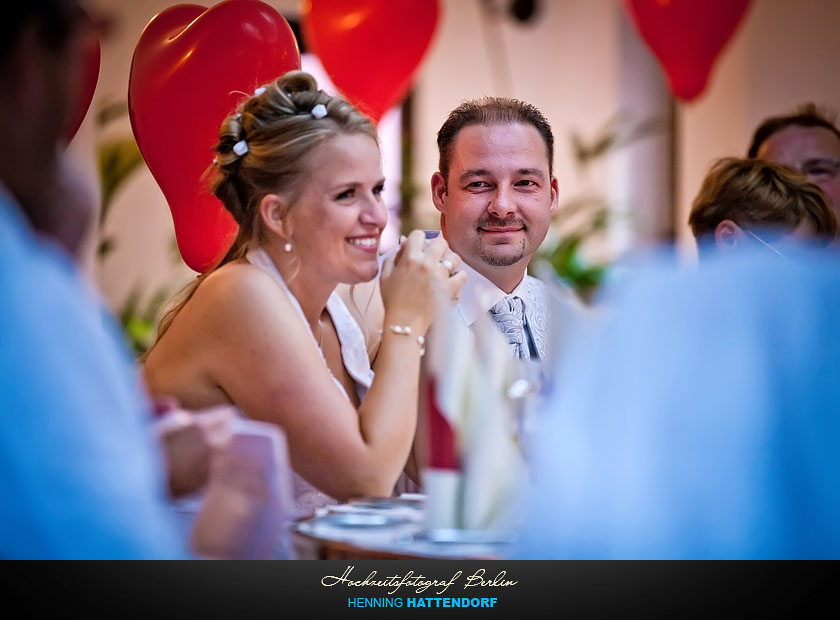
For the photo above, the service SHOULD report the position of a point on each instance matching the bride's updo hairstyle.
(262, 145)
(261, 150)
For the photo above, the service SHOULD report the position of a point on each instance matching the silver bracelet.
(405, 330)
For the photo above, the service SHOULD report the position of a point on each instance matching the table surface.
(393, 528)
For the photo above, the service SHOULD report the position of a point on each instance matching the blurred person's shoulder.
(37, 275)
(662, 276)
(53, 315)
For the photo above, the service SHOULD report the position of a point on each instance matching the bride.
(300, 172)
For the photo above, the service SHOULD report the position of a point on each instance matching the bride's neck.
(312, 297)
(311, 292)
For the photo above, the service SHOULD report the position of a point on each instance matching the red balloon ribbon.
(687, 37)
(370, 48)
(190, 69)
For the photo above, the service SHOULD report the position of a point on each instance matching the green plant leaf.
(138, 332)
(110, 112)
(157, 301)
(118, 159)
(131, 303)
(174, 250)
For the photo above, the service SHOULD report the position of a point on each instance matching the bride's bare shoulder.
(239, 290)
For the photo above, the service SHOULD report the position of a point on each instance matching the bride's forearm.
(388, 416)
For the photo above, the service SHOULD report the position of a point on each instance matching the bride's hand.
(418, 278)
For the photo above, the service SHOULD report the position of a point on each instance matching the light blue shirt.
(701, 420)
(80, 476)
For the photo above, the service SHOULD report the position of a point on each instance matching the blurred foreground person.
(701, 421)
(752, 202)
(69, 215)
(81, 475)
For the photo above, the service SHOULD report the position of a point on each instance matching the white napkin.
(494, 467)
(473, 376)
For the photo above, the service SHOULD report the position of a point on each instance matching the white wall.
(785, 53)
(565, 64)
(578, 63)
(139, 219)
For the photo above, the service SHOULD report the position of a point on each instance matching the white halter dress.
(354, 355)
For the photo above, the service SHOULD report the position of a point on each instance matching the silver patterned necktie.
(509, 315)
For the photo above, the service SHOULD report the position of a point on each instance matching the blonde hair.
(261, 150)
(756, 192)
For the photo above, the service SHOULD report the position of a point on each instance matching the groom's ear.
(439, 191)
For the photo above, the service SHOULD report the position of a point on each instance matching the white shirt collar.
(479, 294)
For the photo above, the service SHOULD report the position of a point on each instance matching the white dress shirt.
(479, 295)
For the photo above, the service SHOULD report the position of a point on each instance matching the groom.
(496, 194)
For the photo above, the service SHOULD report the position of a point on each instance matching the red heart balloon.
(370, 48)
(686, 36)
(190, 69)
(88, 77)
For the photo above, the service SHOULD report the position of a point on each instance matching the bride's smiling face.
(338, 216)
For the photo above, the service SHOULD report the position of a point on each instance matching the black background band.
(281, 590)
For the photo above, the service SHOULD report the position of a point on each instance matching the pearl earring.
(287, 247)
